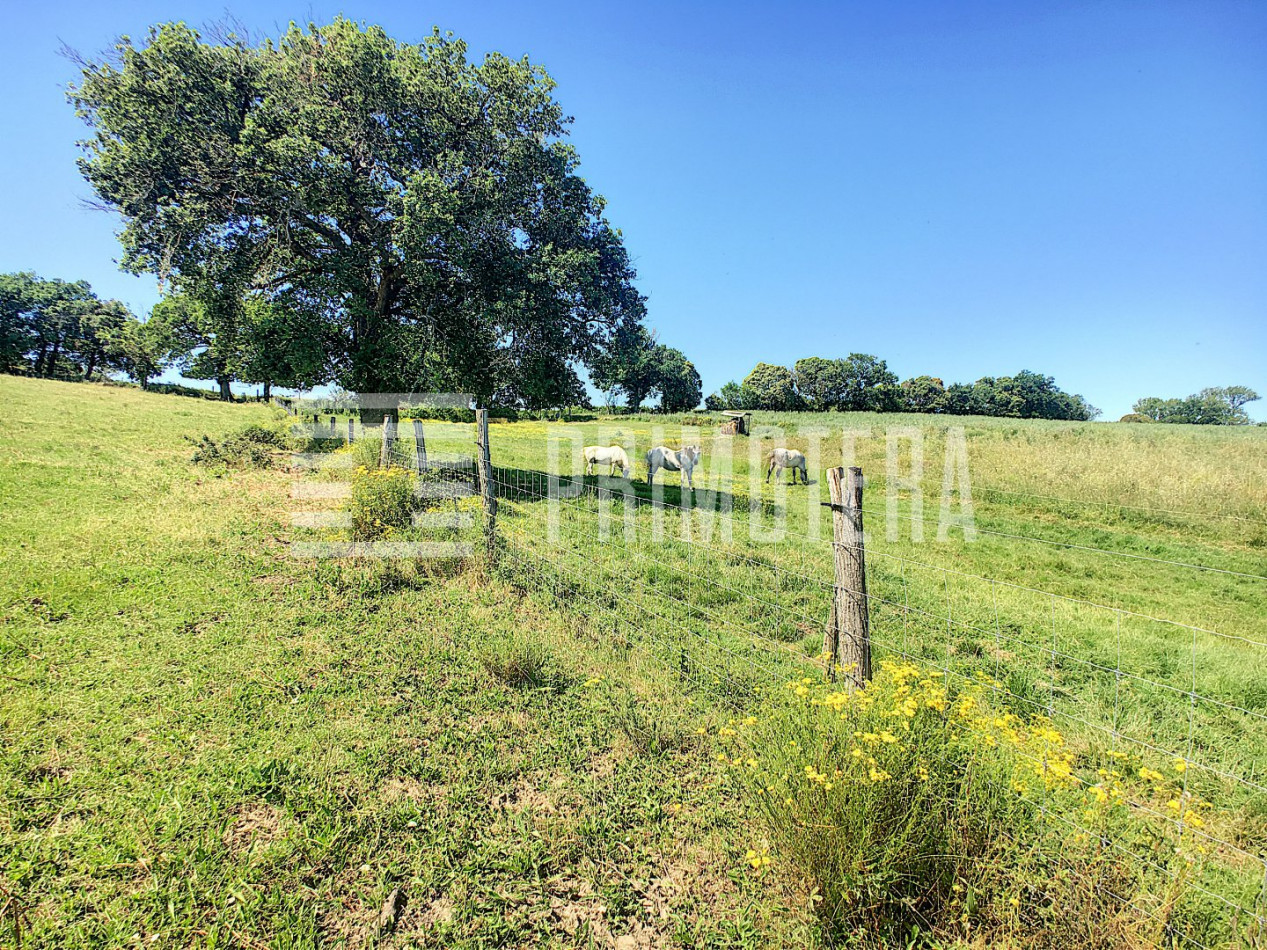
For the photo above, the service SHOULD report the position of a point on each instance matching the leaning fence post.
(486, 483)
(420, 447)
(351, 430)
(389, 438)
(848, 639)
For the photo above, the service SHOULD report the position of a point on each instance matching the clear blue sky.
(962, 189)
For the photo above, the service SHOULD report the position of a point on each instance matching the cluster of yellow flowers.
(894, 714)
(364, 471)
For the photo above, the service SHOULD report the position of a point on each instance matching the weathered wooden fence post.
(486, 483)
(420, 447)
(351, 430)
(334, 432)
(848, 638)
(389, 439)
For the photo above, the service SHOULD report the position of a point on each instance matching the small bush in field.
(910, 807)
(254, 446)
(382, 501)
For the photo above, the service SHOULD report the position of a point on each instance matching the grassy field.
(210, 742)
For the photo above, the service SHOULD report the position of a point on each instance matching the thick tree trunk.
(92, 364)
(268, 391)
(369, 376)
(51, 365)
(225, 392)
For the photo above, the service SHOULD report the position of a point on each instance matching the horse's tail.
(769, 459)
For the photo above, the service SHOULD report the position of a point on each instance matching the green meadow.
(210, 742)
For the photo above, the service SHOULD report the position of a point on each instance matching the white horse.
(613, 456)
(786, 458)
(684, 459)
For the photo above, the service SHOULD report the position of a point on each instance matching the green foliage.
(279, 343)
(771, 387)
(734, 396)
(56, 329)
(254, 446)
(820, 382)
(520, 663)
(1026, 395)
(382, 502)
(923, 394)
(1222, 406)
(430, 205)
(677, 379)
(867, 385)
(651, 730)
(634, 366)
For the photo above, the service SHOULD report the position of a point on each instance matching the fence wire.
(734, 620)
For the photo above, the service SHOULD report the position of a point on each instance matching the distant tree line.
(863, 383)
(62, 330)
(1217, 405)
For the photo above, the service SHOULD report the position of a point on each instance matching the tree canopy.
(423, 208)
(56, 328)
(1218, 405)
(862, 382)
(634, 366)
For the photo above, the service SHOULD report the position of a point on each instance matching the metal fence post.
(848, 638)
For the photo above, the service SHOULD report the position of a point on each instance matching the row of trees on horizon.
(61, 329)
(864, 383)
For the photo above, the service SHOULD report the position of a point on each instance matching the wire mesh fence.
(1166, 721)
(1142, 709)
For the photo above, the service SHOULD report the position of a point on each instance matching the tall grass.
(912, 806)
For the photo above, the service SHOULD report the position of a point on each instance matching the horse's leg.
(769, 471)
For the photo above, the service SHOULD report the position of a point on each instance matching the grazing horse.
(786, 458)
(612, 456)
(684, 459)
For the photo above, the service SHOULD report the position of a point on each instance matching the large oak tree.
(428, 205)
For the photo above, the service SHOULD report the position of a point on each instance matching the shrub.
(909, 806)
(382, 501)
(902, 803)
(252, 447)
